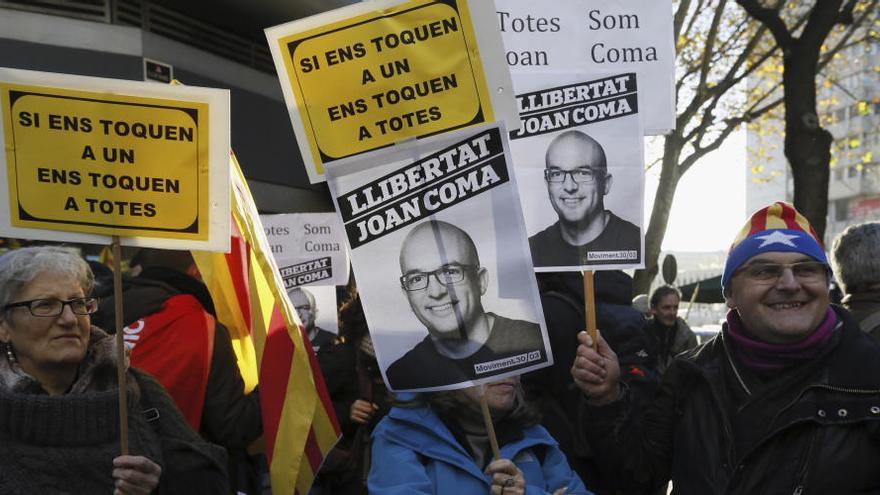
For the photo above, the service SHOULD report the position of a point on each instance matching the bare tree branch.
(710, 44)
(823, 17)
(678, 19)
(769, 16)
(699, 7)
(715, 60)
(846, 14)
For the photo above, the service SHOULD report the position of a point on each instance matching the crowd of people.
(785, 399)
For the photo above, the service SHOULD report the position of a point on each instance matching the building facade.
(849, 108)
(215, 44)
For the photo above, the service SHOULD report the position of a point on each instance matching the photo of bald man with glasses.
(586, 233)
(443, 280)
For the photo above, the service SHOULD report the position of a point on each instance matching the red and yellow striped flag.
(299, 426)
(778, 215)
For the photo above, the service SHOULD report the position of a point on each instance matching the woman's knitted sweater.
(66, 443)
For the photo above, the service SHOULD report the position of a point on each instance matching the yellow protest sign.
(366, 81)
(112, 164)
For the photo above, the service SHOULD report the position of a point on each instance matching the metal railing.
(161, 21)
(89, 10)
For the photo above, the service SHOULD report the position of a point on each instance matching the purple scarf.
(762, 356)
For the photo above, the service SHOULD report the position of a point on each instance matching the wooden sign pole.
(692, 301)
(490, 428)
(590, 307)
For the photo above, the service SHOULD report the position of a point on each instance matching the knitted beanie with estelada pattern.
(779, 228)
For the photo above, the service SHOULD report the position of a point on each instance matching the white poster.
(595, 37)
(309, 248)
(439, 251)
(316, 307)
(580, 168)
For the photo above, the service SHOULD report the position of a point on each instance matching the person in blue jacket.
(436, 443)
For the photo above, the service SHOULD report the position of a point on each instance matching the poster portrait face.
(442, 278)
(580, 170)
(576, 176)
(304, 303)
(440, 253)
(316, 307)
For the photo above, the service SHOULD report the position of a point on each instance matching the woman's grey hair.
(20, 266)
(855, 257)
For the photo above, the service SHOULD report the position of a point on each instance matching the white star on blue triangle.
(777, 237)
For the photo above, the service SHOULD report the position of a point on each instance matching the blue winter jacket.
(414, 452)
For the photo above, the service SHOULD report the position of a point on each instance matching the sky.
(709, 205)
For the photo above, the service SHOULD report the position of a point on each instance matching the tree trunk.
(807, 144)
(669, 176)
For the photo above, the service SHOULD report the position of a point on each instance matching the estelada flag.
(299, 426)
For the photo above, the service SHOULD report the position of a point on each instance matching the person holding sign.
(439, 443)
(444, 282)
(171, 332)
(59, 402)
(577, 180)
(785, 400)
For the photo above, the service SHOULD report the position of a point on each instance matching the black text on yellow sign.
(104, 164)
(376, 79)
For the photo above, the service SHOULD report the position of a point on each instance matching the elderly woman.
(59, 413)
(437, 443)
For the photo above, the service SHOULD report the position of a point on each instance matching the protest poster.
(439, 252)
(579, 161)
(595, 37)
(309, 248)
(87, 158)
(375, 73)
(316, 307)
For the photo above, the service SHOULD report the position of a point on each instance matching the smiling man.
(586, 233)
(668, 334)
(444, 282)
(785, 400)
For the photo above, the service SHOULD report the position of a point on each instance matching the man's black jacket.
(814, 429)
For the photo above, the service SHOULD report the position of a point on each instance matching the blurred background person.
(552, 390)
(59, 412)
(172, 332)
(642, 303)
(855, 256)
(669, 334)
(359, 397)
